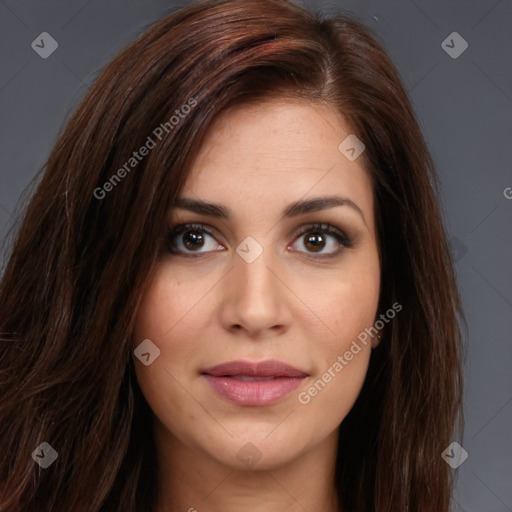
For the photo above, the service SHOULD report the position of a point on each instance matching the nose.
(256, 297)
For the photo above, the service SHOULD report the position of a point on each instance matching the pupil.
(192, 238)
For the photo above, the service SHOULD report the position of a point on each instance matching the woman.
(232, 287)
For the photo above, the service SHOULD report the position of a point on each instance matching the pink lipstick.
(253, 383)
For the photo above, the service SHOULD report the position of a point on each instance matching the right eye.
(187, 239)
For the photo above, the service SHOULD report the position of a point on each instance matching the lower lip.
(253, 392)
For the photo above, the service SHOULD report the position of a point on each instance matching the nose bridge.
(256, 298)
(253, 263)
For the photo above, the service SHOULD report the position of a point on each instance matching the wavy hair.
(84, 253)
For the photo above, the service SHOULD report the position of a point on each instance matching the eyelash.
(321, 228)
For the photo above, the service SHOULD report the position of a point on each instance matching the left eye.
(188, 239)
(318, 238)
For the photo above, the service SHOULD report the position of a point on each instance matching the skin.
(288, 304)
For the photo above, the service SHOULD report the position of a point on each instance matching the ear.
(377, 339)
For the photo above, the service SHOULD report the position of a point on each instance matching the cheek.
(352, 308)
(170, 312)
(346, 303)
(347, 306)
(169, 316)
(341, 357)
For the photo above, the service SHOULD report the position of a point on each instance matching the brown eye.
(315, 242)
(193, 240)
(323, 236)
(188, 239)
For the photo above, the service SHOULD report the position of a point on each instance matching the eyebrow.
(293, 210)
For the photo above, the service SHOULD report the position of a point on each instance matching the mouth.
(253, 383)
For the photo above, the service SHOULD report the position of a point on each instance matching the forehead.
(276, 152)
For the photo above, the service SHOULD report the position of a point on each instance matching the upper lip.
(269, 368)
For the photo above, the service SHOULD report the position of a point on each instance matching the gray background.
(464, 106)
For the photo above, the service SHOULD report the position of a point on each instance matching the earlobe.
(377, 339)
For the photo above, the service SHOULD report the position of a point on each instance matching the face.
(263, 283)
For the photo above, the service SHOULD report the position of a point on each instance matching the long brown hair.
(85, 251)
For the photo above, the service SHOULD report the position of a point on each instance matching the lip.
(274, 380)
